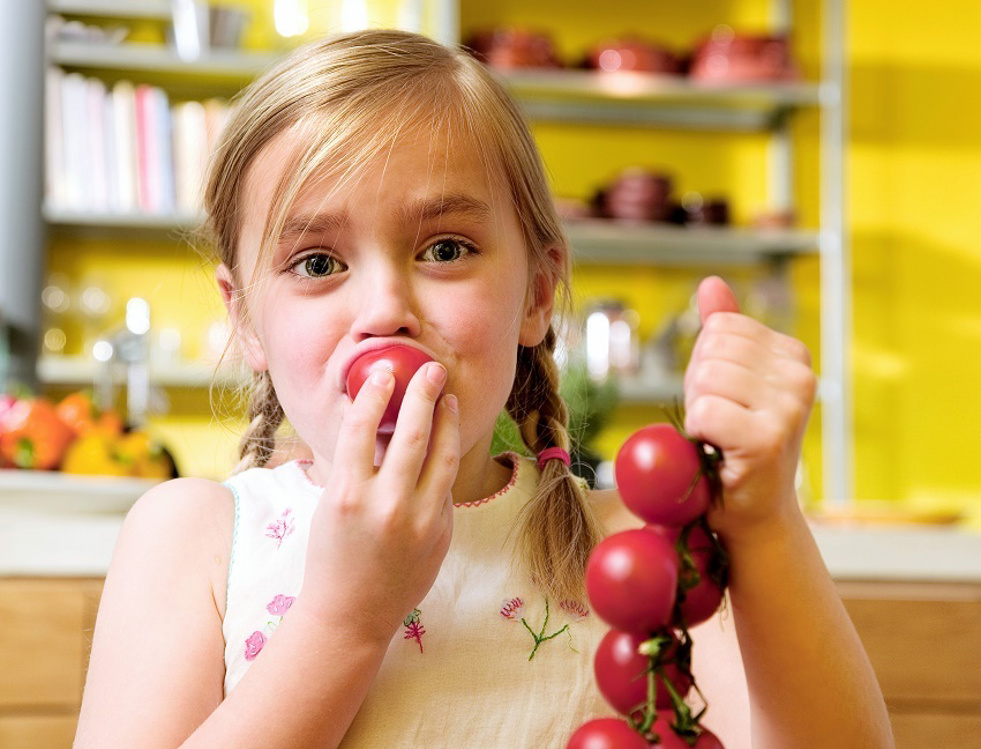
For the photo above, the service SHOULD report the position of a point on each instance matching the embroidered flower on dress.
(280, 529)
(413, 627)
(511, 609)
(253, 645)
(577, 610)
(279, 605)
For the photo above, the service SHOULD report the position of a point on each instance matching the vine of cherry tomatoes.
(650, 585)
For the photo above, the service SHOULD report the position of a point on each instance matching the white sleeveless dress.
(483, 661)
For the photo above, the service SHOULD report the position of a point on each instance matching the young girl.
(409, 589)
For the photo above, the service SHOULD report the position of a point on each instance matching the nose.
(385, 305)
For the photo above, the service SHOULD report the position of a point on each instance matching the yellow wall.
(915, 184)
(915, 174)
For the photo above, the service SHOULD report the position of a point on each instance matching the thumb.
(714, 295)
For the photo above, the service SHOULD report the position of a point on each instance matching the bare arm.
(749, 390)
(157, 662)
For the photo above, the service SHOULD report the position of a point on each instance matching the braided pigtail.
(558, 528)
(265, 416)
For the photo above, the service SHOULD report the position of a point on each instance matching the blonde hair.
(348, 98)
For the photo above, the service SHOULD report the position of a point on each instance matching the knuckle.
(797, 350)
(415, 436)
(449, 458)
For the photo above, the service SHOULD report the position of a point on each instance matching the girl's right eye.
(317, 265)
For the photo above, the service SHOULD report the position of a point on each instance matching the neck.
(479, 476)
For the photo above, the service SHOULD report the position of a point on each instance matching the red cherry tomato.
(621, 673)
(656, 471)
(670, 740)
(631, 580)
(401, 361)
(606, 733)
(703, 600)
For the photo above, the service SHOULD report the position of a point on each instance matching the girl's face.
(421, 247)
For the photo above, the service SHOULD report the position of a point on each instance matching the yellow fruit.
(146, 456)
(94, 454)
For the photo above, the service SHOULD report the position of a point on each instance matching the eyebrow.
(427, 209)
(297, 226)
(451, 203)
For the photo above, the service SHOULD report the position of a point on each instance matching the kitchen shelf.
(53, 490)
(619, 243)
(81, 371)
(155, 9)
(156, 58)
(594, 241)
(657, 100)
(639, 391)
(133, 225)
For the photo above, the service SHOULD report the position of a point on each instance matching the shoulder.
(180, 504)
(611, 512)
(180, 530)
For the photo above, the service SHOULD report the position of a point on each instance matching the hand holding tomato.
(402, 362)
(380, 532)
(748, 391)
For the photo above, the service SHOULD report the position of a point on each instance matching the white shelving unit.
(589, 97)
(156, 9)
(155, 58)
(82, 371)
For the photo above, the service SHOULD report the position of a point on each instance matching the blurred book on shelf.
(125, 149)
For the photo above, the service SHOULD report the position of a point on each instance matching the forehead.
(291, 173)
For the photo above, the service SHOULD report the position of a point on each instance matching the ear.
(540, 301)
(242, 329)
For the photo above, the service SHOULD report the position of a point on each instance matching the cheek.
(485, 344)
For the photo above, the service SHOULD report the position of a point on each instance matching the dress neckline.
(519, 466)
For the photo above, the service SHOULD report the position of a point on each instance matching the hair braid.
(265, 416)
(558, 529)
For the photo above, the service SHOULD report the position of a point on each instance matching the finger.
(719, 421)
(355, 450)
(730, 380)
(443, 461)
(410, 441)
(714, 295)
(730, 323)
(739, 349)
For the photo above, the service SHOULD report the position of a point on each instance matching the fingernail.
(451, 402)
(380, 378)
(435, 373)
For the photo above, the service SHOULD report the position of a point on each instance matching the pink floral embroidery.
(577, 610)
(253, 645)
(279, 605)
(413, 627)
(280, 529)
(511, 609)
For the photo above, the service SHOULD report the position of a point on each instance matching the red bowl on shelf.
(632, 54)
(513, 48)
(637, 195)
(731, 57)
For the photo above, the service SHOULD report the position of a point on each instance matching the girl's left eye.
(446, 251)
